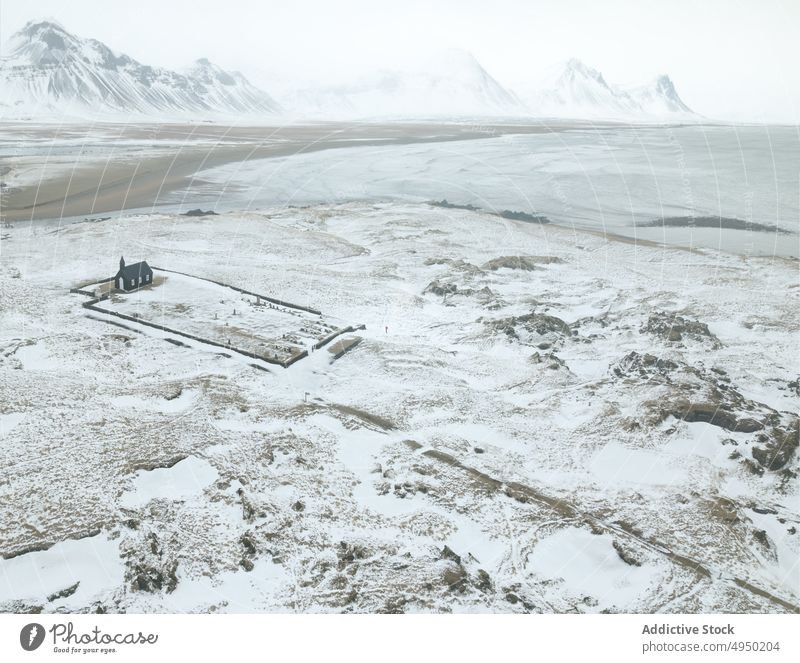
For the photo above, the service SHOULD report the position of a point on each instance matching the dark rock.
(525, 263)
(441, 289)
(747, 425)
(764, 510)
(447, 205)
(778, 446)
(447, 553)
(395, 606)
(644, 366)
(675, 328)
(710, 413)
(483, 581)
(717, 222)
(248, 510)
(533, 323)
(760, 535)
(696, 395)
(147, 578)
(349, 553)
(625, 555)
(249, 544)
(68, 591)
(753, 467)
(199, 212)
(527, 217)
(455, 578)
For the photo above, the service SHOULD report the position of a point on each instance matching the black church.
(133, 277)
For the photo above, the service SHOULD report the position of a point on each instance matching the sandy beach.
(113, 167)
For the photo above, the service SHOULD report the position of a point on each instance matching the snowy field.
(537, 419)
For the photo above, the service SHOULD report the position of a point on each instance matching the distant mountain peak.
(574, 68)
(206, 71)
(574, 89)
(664, 84)
(42, 42)
(43, 29)
(660, 96)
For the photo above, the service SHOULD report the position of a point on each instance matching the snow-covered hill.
(452, 84)
(576, 90)
(49, 71)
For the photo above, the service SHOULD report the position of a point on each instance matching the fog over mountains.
(451, 84)
(47, 71)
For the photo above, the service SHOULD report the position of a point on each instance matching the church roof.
(134, 270)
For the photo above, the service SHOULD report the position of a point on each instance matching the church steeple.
(121, 263)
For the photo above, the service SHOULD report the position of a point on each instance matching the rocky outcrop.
(675, 328)
(777, 445)
(458, 265)
(526, 263)
(200, 212)
(533, 328)
(448, 289)
(441, 289)
(694, 394)
(152, 570)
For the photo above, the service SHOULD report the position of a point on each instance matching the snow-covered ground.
(537, 419)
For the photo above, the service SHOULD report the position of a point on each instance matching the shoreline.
(125, 180)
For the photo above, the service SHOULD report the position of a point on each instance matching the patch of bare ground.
(366, 417)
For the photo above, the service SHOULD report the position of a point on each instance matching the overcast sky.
(734, 59)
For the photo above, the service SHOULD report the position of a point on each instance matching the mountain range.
(574, 89)
(51, 71)
(48, 71)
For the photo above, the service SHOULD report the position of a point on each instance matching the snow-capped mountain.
(452, 84)
(576, 90)
(659, 97)
(48, 70)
